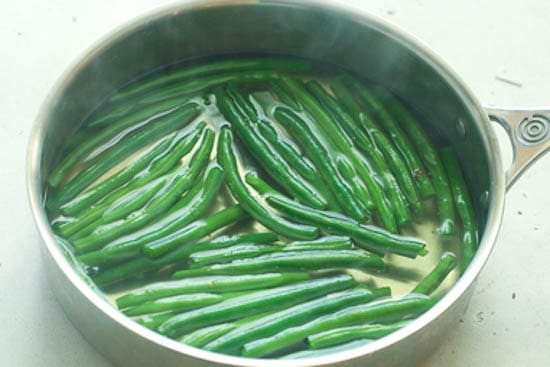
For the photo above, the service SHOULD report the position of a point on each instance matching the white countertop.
(508, 321)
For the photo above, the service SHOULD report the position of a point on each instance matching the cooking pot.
(325, 31)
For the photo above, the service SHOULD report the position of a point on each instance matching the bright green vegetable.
(250, 204)
(85, 200)
(180, 182)
(161, 126)
(370, 237)
(328, 242)
(358, 187)
(225, 255)
(154, 321)
(346, 334)
(347, 123)
(292, 261)
(430, 157)
(162, 164)
(201, 337)
(128, 113)
(231, 105)
(190, 207)
(231, 65)
(211, 284)
(437, 275)
(125, 126)
(345, 145)
(321, 158)
(280, 90)
(196, 86)
(405, 185)
(193, 231)
(228, 254)
(463, 204)
(281, 320)
(301, 164)
(402, 142)
(382, 311)
(254, 303)
(124, 206)
(144, 264)
(178, 303)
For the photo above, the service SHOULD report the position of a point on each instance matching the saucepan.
(318, 30)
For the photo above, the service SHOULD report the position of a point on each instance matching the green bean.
(402, 142)
(191, 232)
(250, 204)
(183, 90)
(85, 200)
(346, 334)
(315, 193)
(190, 207)
(349, 111)
(430, 157)
(329, 242)
(376, 238)
(434, 279)
(303, 166)
(299, 314)
(370, 237)
(158, 128)
(180, 182)
(106, 115)
(240, 104)
(164, 164)
(321, 158)
(144, 264)
(273, 163)
(211, 284)
(251, 178)
(233, 65)
(154, 321)
(382, 311)
(179, 303)
(83, 226)
(133, 201)
(208, 83)
(128, 112)
(201, 337)
(254, 303)
(125, 127)
(358, 187)
(291, 261)
(363, 143)
(225, 255)
(344, 143)
(463, 205)
(395, 160)
(280, 90)
(326, 351)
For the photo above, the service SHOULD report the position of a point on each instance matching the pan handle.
(529, 132)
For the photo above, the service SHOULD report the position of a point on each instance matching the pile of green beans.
(252, 205)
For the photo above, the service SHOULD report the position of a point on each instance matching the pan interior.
(354, 43)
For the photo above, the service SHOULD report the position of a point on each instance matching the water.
(402, 273)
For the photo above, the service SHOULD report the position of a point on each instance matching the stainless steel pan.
(319, 30)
